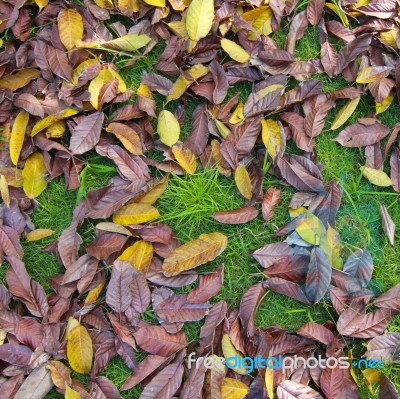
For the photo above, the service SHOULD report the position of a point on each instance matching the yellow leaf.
(104, 3)
(34, 175)
(338, 11)
(243, 182)
(168, 128)
(155, 192)
(156, 3)
(38, 234)
(94, 294)
(3, 336)
(269, 382)
(330, 245)
(4, 191)
(129, 42)
(179, 28)
(199, 18)
(19, 79)
(229, 351)
(53, 118)
(121, 83)
(139, 255)
(345, 113)
(223, 130)
(218, 158)
(1, 42)
(97, 84)
(80, 350)
(127, 136)
(272, 137)
(135, 214)
(237, 115)
(233, 389)
(261, 20)
(60, 374)
(70, 27)
(185, 158)
(194, 253)
(72, 323)
(386, 103)
(352, 368)
(372, 377)
(113, 228)
(269, 89)
(56, 130)
(41, 3)
(79, 69)
(182, 84)
(235, 51)
(179, 5)
(370, 75)
(128, 6)
(294, 212)
(13, 176)
(71, 393)
(377, 177)
(311, 229)
(17, 136)
(389, 37)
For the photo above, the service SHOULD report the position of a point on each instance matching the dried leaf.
(388, 225)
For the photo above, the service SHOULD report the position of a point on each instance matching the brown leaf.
(388, 225)
(198, 137)
(221, 81)
(140, 290)
(86, 133)
(360, 135)
(290, 389)
(106, 244)
(269, 202)
(387, 388)
(30, 104)
(315, 8)
(384, 347)
(390, 299)
(209, 286)
(250, 300)
(155, 340)
(236, 216)
(395, 169)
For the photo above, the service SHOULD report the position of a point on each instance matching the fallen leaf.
(388, 225)
(80, 350)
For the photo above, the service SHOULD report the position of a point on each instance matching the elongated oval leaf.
(70, 27)
(194, 253)
(345, 113)
(80, 350)
(168, 128)
(34, 175)
(17, 136)
(199, 18)
(235, 51)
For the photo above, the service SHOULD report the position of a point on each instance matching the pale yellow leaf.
(237, 115)
(71, 393)
(41, 3)
(370, 74)
(389, 37)
(377, 177)
(19, 79)
(39, 234)
(34, 175)
(233, 389)
(156, 3)
(3, 336)
(97, 84)
(4, 191)
(235, 51)
(128, 7)
(79, 69)
(243, 182)
(168, 128)
(271, 136)
(113, 228)
(56, 130)
(139, 255)
(194, 253)
(330, 245)
(229, 350)
(185, 158)
(94, 294)
(269, 382)
(71, 324)
(129, 42)
(53, 118)
(345, 113)
(179, 28)
(386, 103)
(80, 350)
(372, 377)
(199, 18)
(17, 136)
(182, 83)
(135, 214)
(223, 130)
(154, 193)
(311, 229)
(70, 27)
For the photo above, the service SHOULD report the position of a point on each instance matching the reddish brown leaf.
(236, 216)
(315, 8)
(209, 286)
(360, 135)
(269, 202)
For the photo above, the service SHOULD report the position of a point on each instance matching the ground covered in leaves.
(199, 177)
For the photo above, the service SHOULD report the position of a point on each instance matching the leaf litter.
(62, 96)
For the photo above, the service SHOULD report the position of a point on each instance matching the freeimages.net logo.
(284, 363)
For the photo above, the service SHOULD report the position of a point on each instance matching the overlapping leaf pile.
(61, 96)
